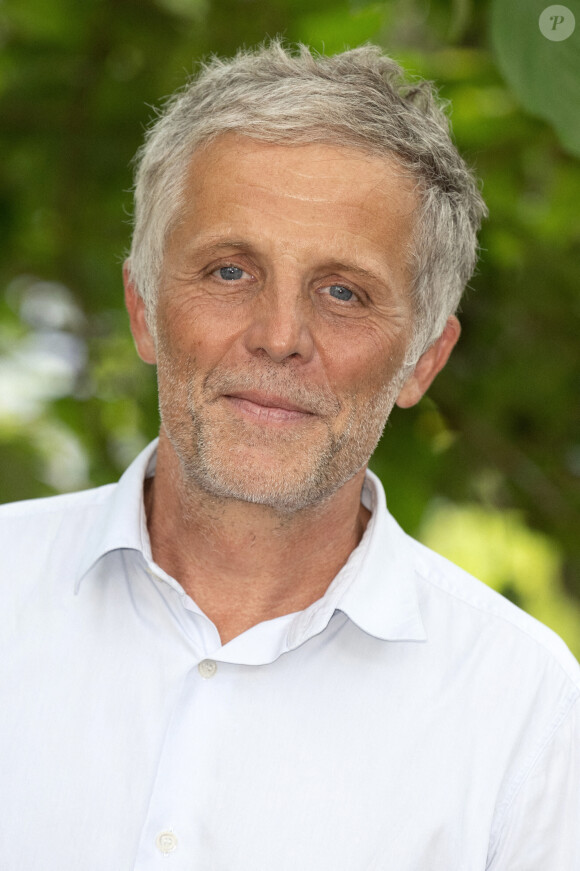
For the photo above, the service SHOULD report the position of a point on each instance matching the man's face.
(284, 280)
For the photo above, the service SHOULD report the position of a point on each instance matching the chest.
(294, 765)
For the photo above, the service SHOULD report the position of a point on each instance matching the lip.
(268, 400)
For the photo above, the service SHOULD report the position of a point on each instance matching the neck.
(242, 562)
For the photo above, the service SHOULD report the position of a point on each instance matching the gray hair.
(359, 98)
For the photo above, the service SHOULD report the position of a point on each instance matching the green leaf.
(543, 73)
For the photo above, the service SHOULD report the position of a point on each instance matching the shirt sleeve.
(541, 830)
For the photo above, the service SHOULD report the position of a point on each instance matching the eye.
(230, 273)
(338, 291)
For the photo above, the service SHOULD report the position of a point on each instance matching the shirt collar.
(124, 524)
(382, 599)
(375, 588)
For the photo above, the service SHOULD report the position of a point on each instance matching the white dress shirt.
(410, 720)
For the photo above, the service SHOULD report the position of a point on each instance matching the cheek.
(196, 329)
(369, 380)
(365, 357)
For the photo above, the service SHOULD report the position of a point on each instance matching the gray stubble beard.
(205, 467)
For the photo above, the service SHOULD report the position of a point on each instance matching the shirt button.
(207, 668)
(166, 842)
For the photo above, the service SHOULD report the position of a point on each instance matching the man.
(235, 658)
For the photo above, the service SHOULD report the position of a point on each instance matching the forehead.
(306, 179)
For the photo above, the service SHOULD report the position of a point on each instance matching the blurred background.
(486, 470)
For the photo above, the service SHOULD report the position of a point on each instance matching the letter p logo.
(557, 23)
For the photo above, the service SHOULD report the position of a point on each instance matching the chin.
(283, 487)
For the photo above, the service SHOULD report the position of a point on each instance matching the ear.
(429, 365)
(144, 341)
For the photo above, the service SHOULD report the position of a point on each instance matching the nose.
(281, 322)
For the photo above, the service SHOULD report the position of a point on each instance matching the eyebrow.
(356, 270)
(218, 243)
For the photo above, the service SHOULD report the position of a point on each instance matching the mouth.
(268, 400)
(267, 408)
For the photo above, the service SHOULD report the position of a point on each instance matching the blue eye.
(231, 273)
(340, 291)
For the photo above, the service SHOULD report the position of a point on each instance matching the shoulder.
(42, 538)
(32, 509)
(465, 610)
(33, 517)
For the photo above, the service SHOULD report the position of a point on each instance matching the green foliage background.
(487, 469)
